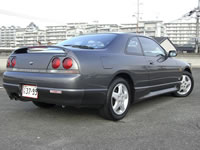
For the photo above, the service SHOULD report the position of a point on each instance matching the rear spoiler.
(41, 49)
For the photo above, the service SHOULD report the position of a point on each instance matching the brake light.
(13, 62)
(55, 63)
(67, 63)
(8, 62)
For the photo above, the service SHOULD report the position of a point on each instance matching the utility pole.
(138, 15)
(96, 25)
(197, 28)
(195, 11)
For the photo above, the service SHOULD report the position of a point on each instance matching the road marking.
(1, 87)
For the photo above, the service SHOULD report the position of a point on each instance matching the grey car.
(108, 71)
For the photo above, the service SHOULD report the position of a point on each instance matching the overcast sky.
(55, 12)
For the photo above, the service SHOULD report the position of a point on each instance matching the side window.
(133, 46)
(150, 47)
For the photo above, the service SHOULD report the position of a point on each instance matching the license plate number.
(29, 91)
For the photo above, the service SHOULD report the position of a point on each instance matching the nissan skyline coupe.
(108, 71)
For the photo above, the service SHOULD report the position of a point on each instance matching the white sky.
(51, 12)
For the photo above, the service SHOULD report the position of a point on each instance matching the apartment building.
(148, 28)
(181, 33)
(55, 34)
(30, 36)
(7, 36)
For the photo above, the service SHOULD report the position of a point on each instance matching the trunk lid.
(38, 57)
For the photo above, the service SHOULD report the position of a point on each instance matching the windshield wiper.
(67, 45)
(81, 46)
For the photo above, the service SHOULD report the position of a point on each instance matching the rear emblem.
(30, 63)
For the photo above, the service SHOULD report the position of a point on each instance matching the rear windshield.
(96, 41)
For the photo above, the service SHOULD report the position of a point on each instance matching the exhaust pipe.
(14, 96)
(63, 106)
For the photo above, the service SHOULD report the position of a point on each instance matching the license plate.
(29, 91)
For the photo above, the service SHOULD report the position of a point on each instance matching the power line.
(194, 13)
(25, 16)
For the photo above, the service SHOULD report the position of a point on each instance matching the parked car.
(107, 71)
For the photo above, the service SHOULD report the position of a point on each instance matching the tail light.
(13, 62)
(67, 63)
(8, 62)
(56, 63)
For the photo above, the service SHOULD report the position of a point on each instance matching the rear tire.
(187, 84)
(43, 105)
(118, 100)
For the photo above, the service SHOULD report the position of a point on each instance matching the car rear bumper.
(67, 88)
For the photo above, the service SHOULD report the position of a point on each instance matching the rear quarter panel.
(98, 68)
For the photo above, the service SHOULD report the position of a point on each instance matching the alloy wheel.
(119, 98)
(185, 86)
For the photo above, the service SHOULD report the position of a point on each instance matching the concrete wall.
(3, 62)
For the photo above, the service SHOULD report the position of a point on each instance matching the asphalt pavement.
(160, 123)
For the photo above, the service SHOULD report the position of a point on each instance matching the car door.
(136, 63)
(163, 71)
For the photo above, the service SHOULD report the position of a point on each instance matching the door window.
(151, 48)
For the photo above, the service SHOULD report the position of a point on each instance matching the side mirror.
(172, 53)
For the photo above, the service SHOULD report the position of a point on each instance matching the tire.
(118, 101)
(186, 86)
(43, 105)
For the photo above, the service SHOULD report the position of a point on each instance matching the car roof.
(120, 33)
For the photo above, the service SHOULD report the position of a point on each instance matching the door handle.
(151, 62)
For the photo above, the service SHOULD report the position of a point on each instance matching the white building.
(7, 36)
(75, 29)
(30, 36)
(148, 28)
(181, 33)
(55, 34)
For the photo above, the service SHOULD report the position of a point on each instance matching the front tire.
(118, 100)
(43, 105)
(186, 86)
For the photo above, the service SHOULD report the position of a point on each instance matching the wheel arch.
(127, 76)
(187, 69)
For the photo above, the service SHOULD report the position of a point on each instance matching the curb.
(1, 72)
(195, 67)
